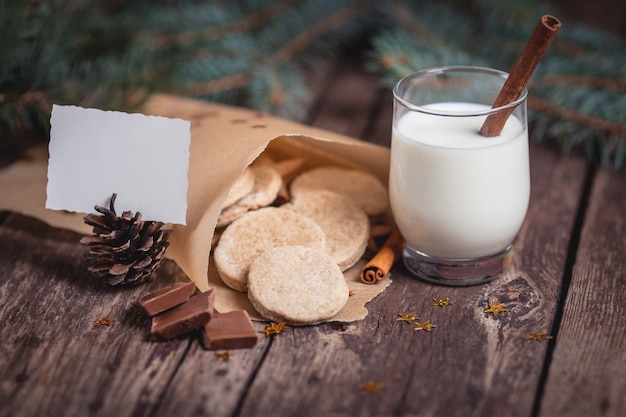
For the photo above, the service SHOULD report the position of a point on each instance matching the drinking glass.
(458, 198)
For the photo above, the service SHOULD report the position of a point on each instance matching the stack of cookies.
(287, 233)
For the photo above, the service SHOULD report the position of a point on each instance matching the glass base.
(457, 272)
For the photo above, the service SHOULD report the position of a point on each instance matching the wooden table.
(568, 282)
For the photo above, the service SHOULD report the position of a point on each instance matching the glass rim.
(459, 69)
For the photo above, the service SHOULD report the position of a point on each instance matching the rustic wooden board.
(206, 384)
(473, 361)
(587, 373)
(54, 361)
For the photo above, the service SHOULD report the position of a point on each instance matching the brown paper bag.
(224, 141)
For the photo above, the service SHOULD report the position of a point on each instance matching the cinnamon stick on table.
(523, 68)
(380, 265)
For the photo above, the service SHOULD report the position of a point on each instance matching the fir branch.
(114, 54)
(288, 51)
(268, 77)
(582, 80)
(576, 117)
(577, 99)
(321, 29)
(252, 21)
(215, 86)
(407, 21)
(249, 22)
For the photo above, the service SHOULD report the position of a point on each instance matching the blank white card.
(95, 153)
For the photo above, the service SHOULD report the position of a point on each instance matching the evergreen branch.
(407, 20)
(114, 54)
(615, 84)
(215, 86)
(272, 87)
(323, 28)
(247, 22)
(580, 101)
(576, 117)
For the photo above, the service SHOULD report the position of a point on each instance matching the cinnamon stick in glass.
(380, 265)
(521, 72)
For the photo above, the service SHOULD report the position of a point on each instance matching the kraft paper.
(224, 141)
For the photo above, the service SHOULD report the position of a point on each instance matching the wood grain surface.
(587, 373)
(567, 281)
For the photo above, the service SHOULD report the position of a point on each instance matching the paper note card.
(95, 153)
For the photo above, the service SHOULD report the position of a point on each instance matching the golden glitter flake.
(495, 309)
(408, 317)
(441, 302)
(225, 356)
(539, 336)
(427, 326)
(275, 328)
(371, 387)
(103, 321)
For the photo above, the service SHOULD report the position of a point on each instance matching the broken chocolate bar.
(232, 330)
(189, 316)
(166, 297)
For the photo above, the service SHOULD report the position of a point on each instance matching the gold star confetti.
(408, 317)
(371, 387)
(441, 302)
(539, 336)
(225, 356)
(103, 321)
(275, 328)
(427, 325)
(495, 309)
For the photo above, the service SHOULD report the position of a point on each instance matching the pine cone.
(124, 250)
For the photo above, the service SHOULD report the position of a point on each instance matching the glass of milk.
(458, 198)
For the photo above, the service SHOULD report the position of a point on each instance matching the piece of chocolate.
(186, 317)
(167, 297)
(232, 330)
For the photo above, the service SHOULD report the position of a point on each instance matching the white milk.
(454, 193)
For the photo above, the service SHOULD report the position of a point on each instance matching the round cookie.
(346, 226)
(254, 233)
(267, 182)
(297, 285)
(363, 188)
(240, 188)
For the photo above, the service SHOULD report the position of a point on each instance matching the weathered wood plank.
(471, 364)
(471, 361)
(587, 375)
(205, 384)
(54, 361)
